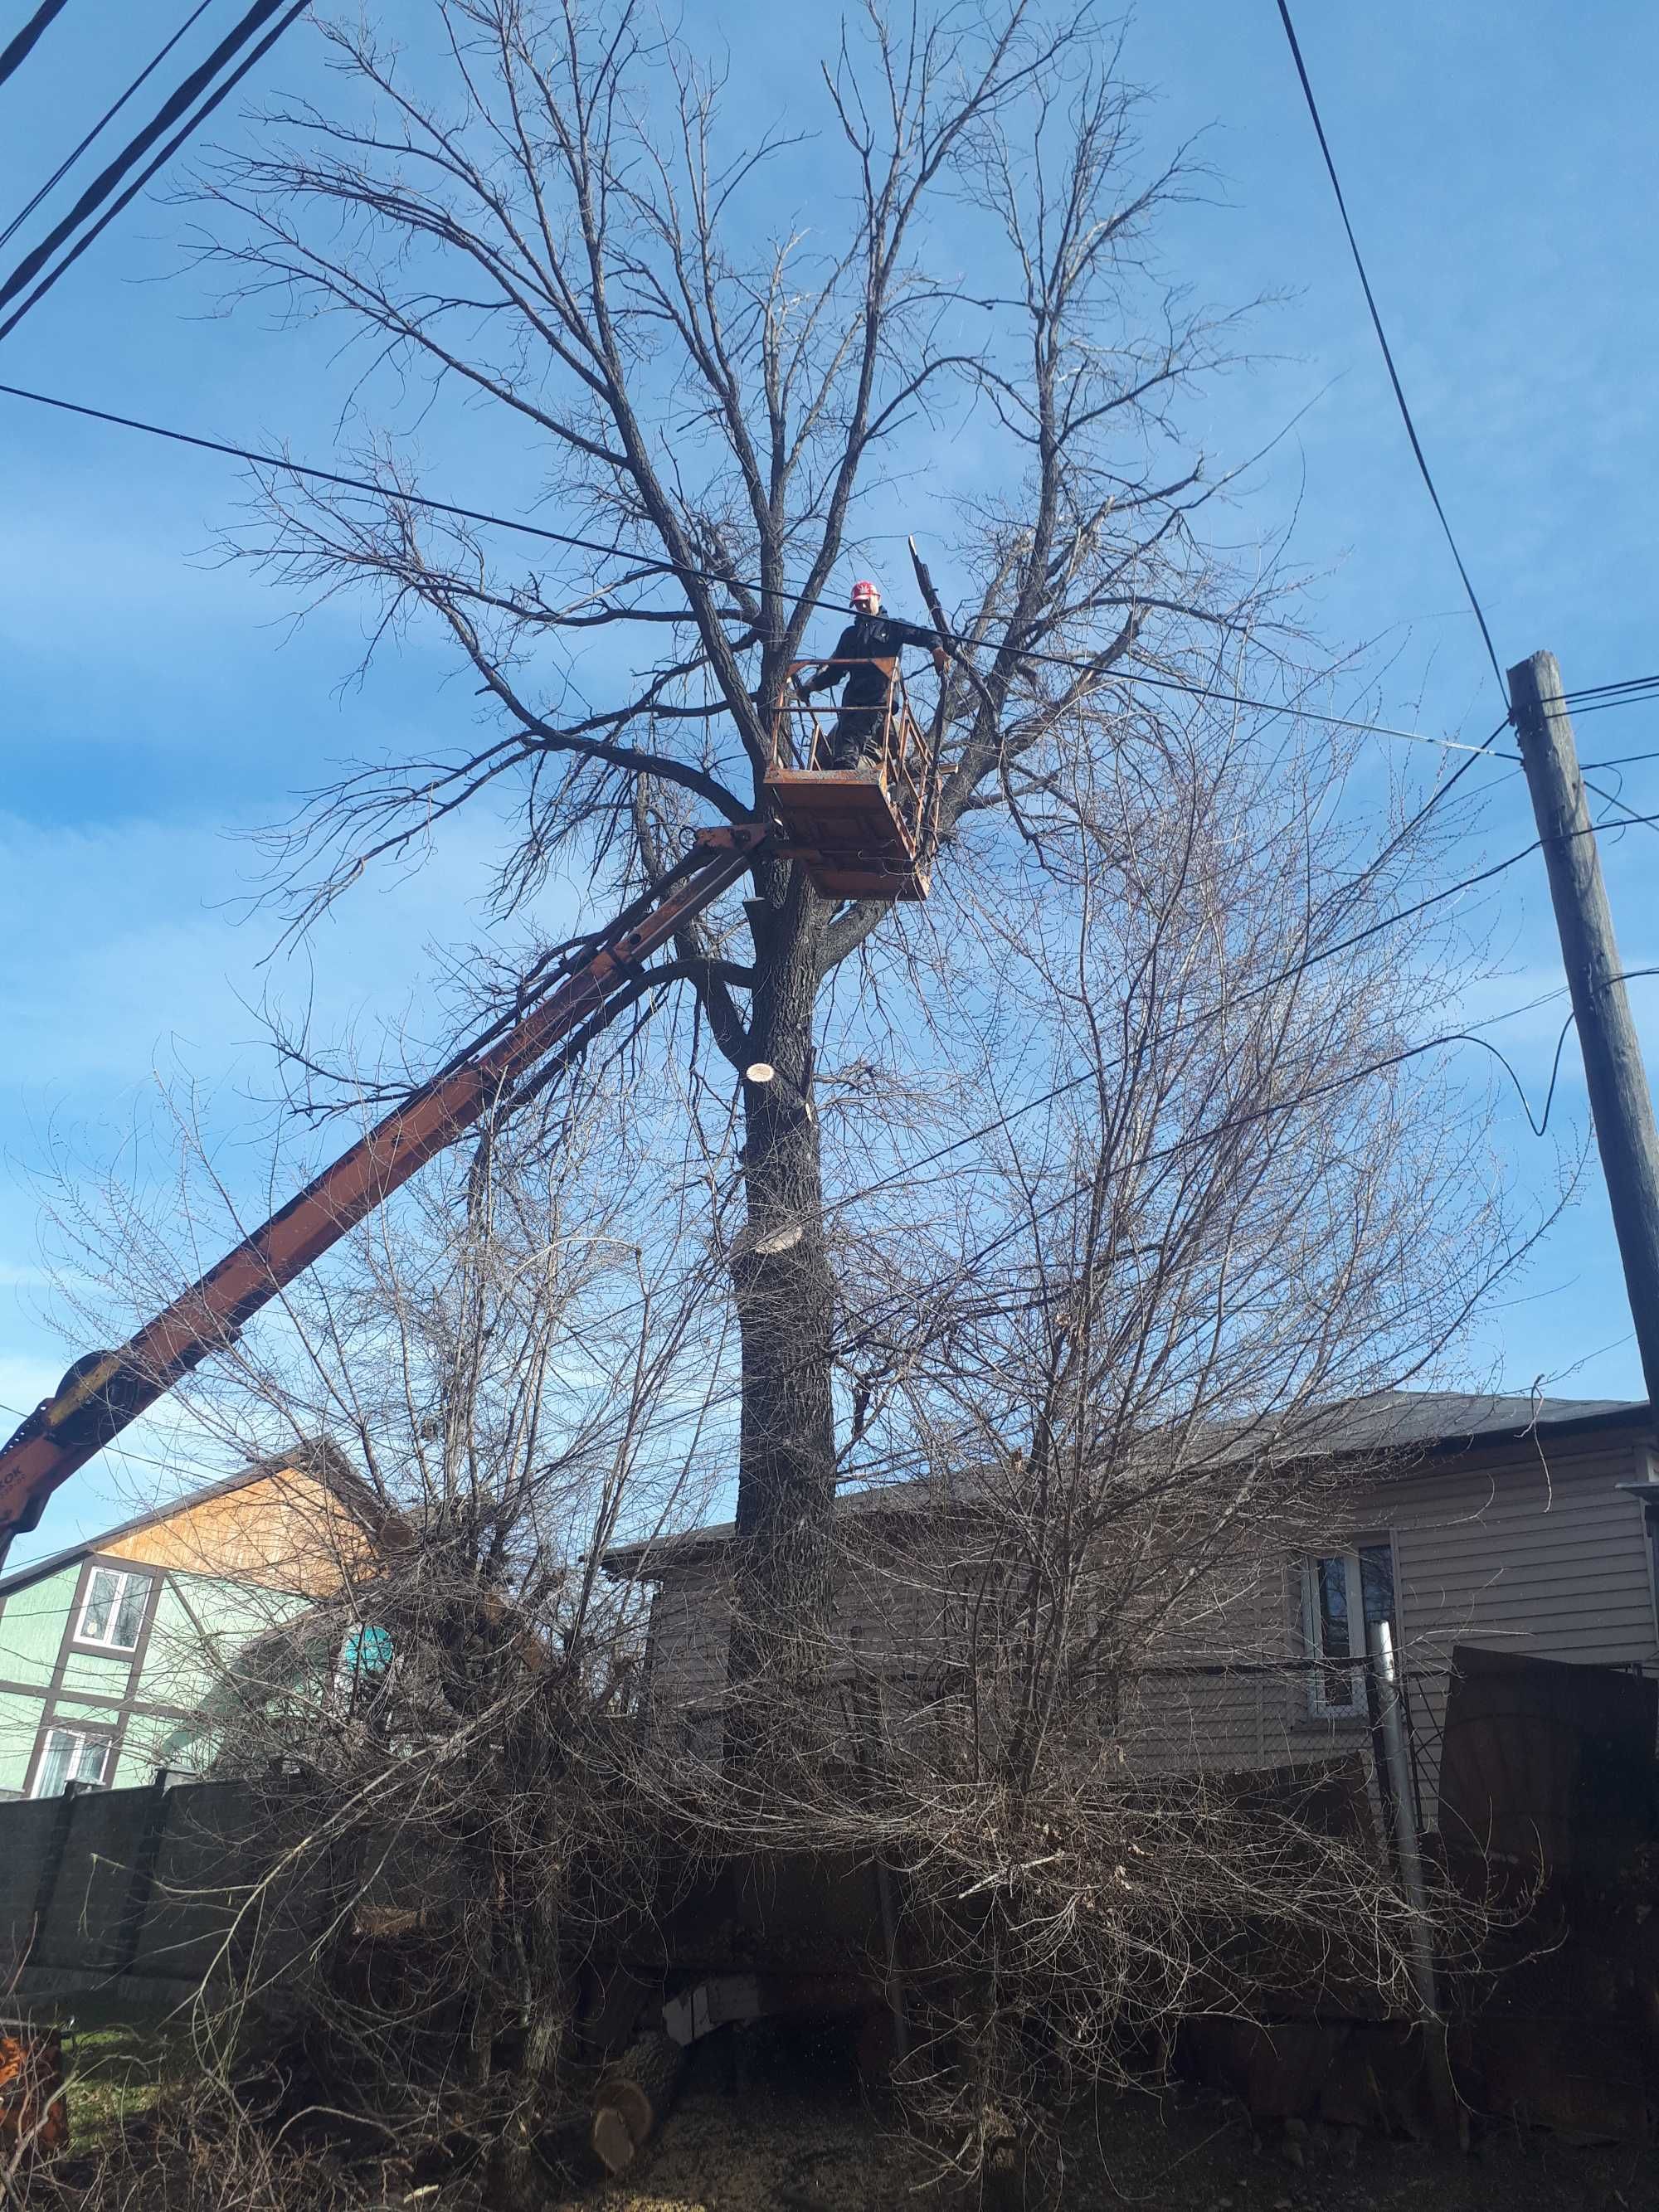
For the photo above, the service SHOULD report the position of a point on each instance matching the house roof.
(1424, 1423)
(319, 1457)
(1451, 1420)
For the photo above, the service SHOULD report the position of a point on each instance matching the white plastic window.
(1343, 1595)
(68, 1756)
(113, 1610)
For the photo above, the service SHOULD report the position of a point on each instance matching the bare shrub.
(1100, 1356)
(434, 1703)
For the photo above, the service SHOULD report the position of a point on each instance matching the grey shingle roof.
(1418, 1422)
(1392, 1420)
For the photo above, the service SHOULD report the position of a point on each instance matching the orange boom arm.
(105, 1390)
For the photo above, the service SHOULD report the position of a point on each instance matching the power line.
(1607, 706)
(1277, 1106)
(1624, 683)
(101, 185)
(1290, 975)
(1382, 340)
(107, 116)
(654, 564)
(910, 1169)
(1238, 699)
(1602, 698)
(19, 49)
(973, 1266)
(166, 116)
(1437, 798)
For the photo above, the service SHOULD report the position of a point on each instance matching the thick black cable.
(1620, 760)
(1582, 707)
(19, 49)
(396, 497)
(1624, 683)
(1382, 340)
(1631, 819)
(176, 104)
(221, 92)
(1539, 1126)
(1209, 1013)
(654, 564)
(105, 119)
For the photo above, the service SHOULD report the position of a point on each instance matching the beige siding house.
(1527, 1526)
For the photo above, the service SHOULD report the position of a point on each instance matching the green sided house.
(111, 1652)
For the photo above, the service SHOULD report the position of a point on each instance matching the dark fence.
(141, 1897)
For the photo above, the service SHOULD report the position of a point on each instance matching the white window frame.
(122, 1579)
(81, 1738)
(1321, 1706)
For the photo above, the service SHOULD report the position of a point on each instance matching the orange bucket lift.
(866, 832)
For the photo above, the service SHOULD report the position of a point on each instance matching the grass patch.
(114, 2075)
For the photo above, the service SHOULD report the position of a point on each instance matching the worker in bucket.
(864, 658)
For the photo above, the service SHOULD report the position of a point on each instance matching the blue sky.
(1500, 163)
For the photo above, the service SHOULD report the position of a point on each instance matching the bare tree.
(562, 228)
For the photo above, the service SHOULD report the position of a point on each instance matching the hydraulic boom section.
(105, 1390)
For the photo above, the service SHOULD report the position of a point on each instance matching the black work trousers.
(855, 741)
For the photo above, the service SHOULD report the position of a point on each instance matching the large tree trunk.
(785, 1314)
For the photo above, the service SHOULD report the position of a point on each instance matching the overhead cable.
(1382, 340)
(1619, 760)
(106, 118)
(1602, 698)
(171, 109)
(1273, 982)
(973, 1267)
(19, 49)
(653, 564)
(1029, 1219)
(1624, 683)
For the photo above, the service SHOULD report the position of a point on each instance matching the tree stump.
(633, 2099)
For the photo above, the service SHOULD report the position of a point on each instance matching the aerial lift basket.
(866, 832)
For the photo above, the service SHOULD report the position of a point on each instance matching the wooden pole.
(1621, 1103)
(1397, 1779)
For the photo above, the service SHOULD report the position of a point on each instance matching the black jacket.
(872, 643)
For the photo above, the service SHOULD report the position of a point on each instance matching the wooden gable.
(283, 1529)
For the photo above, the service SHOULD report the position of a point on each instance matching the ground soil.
(785, 2126)
(816, 2145)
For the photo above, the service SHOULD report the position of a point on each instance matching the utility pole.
(1620, 1104)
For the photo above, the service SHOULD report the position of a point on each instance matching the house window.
(1343, 1595)
(68, 1756)
(114, 1611)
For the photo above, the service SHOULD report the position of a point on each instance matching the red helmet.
(864, 593)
